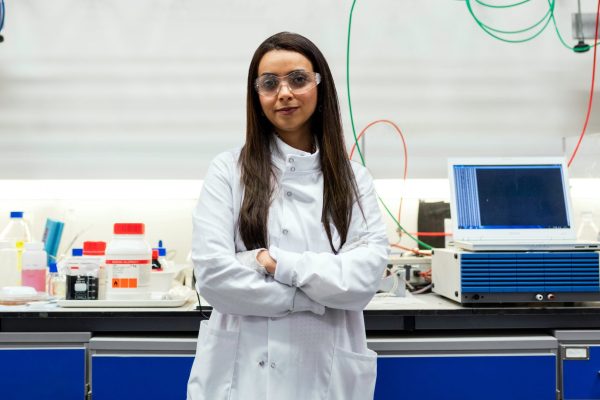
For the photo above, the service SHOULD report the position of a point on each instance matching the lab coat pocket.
(352, 375)
(212, 372)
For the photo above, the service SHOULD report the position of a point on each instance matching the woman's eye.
(269, 83)
(298, 79)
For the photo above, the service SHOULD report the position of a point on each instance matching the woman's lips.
(286, 110)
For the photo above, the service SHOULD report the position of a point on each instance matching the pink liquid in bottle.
(36, 278)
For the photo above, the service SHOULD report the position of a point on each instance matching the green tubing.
(362, 160)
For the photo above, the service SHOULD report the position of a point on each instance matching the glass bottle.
(56, 283)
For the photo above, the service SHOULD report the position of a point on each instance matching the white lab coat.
(299, 335)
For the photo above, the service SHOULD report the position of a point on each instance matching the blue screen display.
(510, 197)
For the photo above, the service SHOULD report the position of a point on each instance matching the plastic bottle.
(55, 282)
(9, 265)
(94, 253)
(34, 266)
(17, 229)
(128, 263)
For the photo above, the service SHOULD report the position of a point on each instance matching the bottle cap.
(94, 248)
(52, 267)
(129, 229)
(16, 214)
(76, 252)
(154, 253)
(162, 252)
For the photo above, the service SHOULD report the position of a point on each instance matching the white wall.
(154, 89)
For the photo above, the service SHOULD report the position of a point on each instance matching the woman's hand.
(265, 259)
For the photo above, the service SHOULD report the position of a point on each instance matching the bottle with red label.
(128, 263)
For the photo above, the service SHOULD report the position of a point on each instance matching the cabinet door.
(38, 373)
(140, 377)
(581, 378)
(466, 377)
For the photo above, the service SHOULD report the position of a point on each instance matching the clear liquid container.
(587, 229)
(17, 229)
(55, 283)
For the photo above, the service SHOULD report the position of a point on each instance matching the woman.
(288, 244)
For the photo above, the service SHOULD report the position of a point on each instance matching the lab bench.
(429, 348)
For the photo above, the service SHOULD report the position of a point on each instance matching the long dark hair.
(258, 173)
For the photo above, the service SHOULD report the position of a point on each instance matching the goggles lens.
(298, 82)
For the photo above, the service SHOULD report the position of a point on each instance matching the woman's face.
(288, 112)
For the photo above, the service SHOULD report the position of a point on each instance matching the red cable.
(399, 132)
(403, 143)
(589, 110)
(432, 234)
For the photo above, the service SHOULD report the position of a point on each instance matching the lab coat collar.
(288, 158)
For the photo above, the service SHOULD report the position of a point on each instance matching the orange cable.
(403, 143)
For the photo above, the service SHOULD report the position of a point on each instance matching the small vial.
(55, 283)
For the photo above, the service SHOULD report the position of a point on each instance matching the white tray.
(121, 303)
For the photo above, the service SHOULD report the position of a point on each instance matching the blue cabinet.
(35, 366)
(581, 377)
(147, 377)
(140, 368)
(489, 377)
(39, 373)
(580, 364)
(466, 368)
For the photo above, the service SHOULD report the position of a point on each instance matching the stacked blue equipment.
(499, 277)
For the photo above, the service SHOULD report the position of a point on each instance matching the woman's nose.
(284, 91)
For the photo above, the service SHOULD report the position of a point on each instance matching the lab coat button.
(273, 365)
(285, 231)
(289, 194)
(292, 169)
(291, 160)
(261, 363)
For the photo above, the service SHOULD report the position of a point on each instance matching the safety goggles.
(298, 82)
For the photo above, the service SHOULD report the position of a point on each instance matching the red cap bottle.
(129, 229)
(94, 248)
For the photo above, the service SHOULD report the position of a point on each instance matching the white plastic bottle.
(128, 263)
(94, 254)
(9, 265)
(35, 264)
(17, 229)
